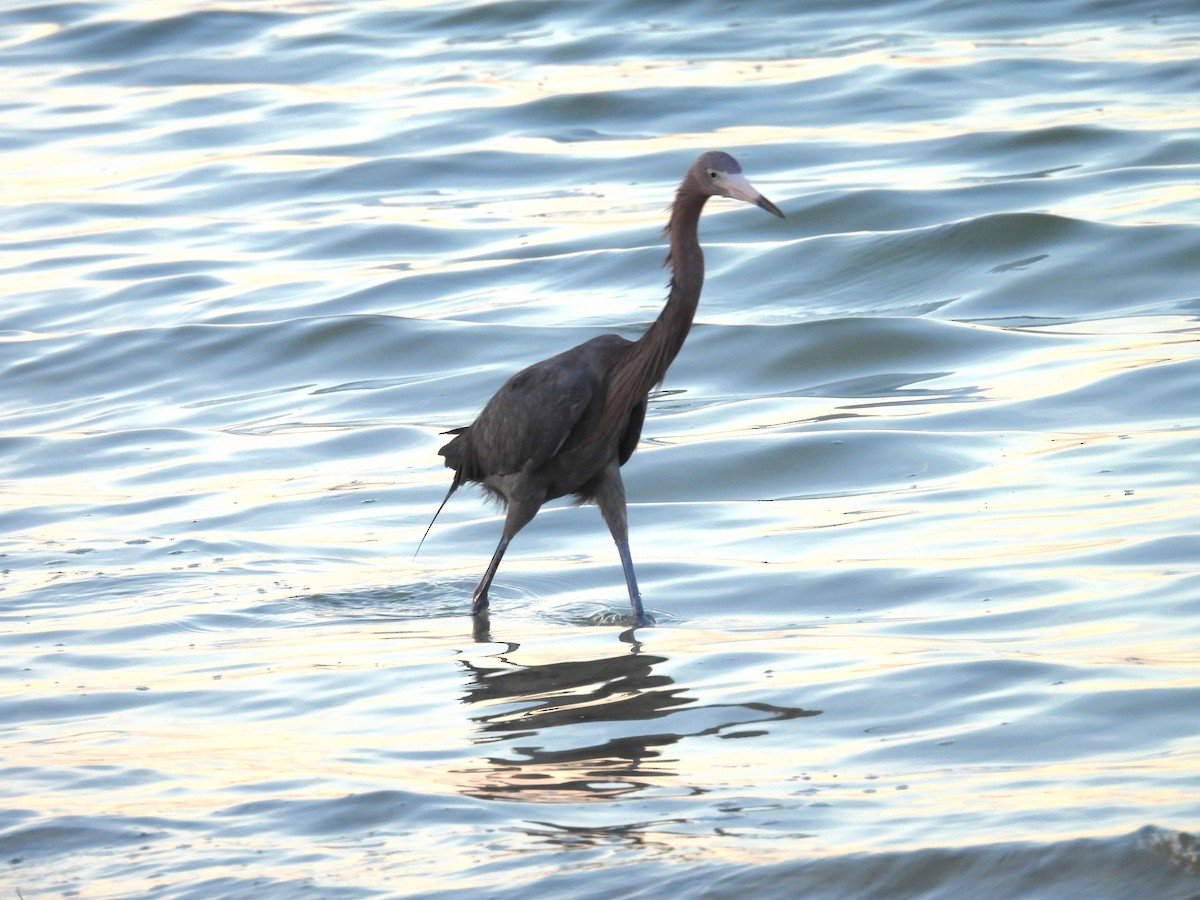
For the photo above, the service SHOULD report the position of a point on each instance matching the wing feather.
(529, 418)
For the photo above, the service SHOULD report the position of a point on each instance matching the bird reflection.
(481, 632)
(578, 730)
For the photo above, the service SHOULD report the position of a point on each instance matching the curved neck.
(665, 336)
(645, 362)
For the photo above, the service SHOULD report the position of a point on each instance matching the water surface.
(916, 510)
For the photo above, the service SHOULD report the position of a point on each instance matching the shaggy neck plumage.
(646, 361)
(665, 336)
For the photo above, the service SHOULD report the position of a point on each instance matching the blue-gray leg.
(640, 619)
(479, 600)
(521, 509)
(610, 497)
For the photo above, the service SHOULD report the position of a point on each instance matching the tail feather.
(453, 487)
(453, 450)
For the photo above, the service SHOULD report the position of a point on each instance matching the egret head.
(718, 174)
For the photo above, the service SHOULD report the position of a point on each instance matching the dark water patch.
(869, 210)
(1174, 553)
(176, 273)
(81, 705)
(622, 111)
(130, 39)
(483, 20)
(377, 241)
(247, 101)
(59, 14)
(352, 813)
(977, 699)
(224, 189)
(169, 287)
(71, 834)
(861, 594)
(43, 457)
(783, 467)
(1024, 725)
(271, 889)
(983, 264)
(1154, 394)
(126, 367)
(461, 179)
(1036, 167)
(52, 213)
(822, 357)
(380, 177)
(1121, 867)
(1000, 234)
(1167, 151)
(163, 70)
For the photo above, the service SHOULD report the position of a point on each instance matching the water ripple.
(914, 510)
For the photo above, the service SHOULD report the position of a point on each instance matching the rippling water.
(916, 511)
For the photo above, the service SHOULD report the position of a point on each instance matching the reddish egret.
(567, 424)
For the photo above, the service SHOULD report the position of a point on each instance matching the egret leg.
(610, 497)
(479, 600)
(520, 511)
(640, 619)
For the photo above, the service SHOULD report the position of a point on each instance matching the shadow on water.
(573, 730)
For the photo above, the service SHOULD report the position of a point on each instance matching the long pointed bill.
(740, 189)
(768, 206)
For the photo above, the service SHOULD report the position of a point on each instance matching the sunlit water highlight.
(916, 511)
